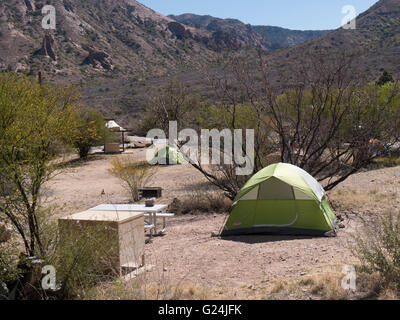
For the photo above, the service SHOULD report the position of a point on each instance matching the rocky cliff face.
(225, 33)
(232, 33)
(48, 47)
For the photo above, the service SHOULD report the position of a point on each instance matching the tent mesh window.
(275, 189)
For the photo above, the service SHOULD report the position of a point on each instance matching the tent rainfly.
(282, 199)
(167, 156)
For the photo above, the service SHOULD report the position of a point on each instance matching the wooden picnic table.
(150, 211)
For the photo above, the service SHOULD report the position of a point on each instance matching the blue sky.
(292, 14)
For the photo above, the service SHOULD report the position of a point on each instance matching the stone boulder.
(5, 235)
(68, 6)
(98, 59)
(224, 40)
(179, 31)
(30, 5)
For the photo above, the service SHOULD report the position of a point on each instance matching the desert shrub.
(378, 249)
(201, 202)
(132, 174)
(91, 130)
(8, 267)
(86, 255)
(385, 78)
(174, 102)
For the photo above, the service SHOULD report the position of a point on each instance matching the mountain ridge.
(375, 41)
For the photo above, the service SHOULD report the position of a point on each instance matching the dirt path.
(81, 185)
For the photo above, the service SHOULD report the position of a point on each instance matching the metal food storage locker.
(124, 230)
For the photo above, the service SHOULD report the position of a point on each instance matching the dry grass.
(373, 200)
(279, 286)
(384, 162)
(389, 294)
(325, 286)
(140, 289)
(328, 287)
(202, 202)
(350, 198)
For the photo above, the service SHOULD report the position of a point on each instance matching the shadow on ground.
(257, 239)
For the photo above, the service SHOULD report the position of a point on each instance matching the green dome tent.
(167, 156)
(283, 199)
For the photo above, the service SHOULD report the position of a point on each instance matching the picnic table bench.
(150, 212)
(164, 216)
(150, 228)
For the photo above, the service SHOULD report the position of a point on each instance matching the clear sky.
(292, 14)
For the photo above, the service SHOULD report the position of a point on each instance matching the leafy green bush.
(91, 131)
(386, 77)
(8, 266)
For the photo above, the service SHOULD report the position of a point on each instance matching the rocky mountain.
(375, 42)
(108, 37)
(267, 37)
(95, 37)
(119, 51)
(230, 31)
